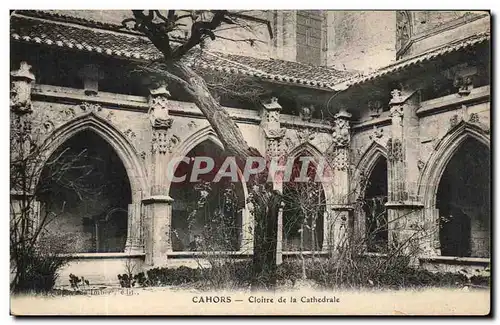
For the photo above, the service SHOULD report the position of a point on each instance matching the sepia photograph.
(250, 162)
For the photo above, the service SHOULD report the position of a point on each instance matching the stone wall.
(427, 30)
(361, 40)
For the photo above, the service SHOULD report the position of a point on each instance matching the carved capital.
(20, 91)
(341, 133)
(158, 108)
(274, 133)
(396, 97)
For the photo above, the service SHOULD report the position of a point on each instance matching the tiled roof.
(289, 71)
(82, 38)
(412, 61)
(58, 30)
(76, 33)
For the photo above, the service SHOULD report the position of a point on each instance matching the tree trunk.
(266, 201)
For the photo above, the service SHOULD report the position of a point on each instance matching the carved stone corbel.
(305, 135)
(90, 76)
(464, 85)
(20, 92)
(270, 114)
(90, 107)
(270, 124)
(375, 108)
(377, 133)
(158, 108)
(341, 133)
(306, 112)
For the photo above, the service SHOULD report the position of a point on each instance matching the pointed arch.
(315, 196)
(206, 133)
(443, 152)
(369, 163)
(133, 164)
(306, 147)
(365, 166)
(317, 155)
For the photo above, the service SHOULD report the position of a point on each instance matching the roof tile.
(83, 37)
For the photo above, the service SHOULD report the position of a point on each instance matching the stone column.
(22, 191)
(338, 219)
(158, 227)
(270, 123)
(158, 207)
(135, 225)
(247, 231)
(404, 209)
(289, 35)
(22, 81)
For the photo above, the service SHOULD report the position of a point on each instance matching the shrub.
(288, 271)
(37, 271)
(126, 281)
(371, 272)
(74, 281)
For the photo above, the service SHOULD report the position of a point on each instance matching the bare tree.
(198, 27)
(35, 252)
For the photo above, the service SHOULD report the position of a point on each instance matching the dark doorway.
(463, 200)
(374, 208)
(207, 215)
(303, 211)
(85, 192)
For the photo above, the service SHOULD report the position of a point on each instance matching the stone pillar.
(270, 123)
(404, 210)
(22, 189)
(338, 223)
(158, 225)
(135, 226)
(158, 207)
(20, 91)
(247, 231)
(289, 35)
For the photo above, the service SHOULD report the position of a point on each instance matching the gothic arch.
(305, 147)
(133, 164)
(321, 234)
(443, 152)
(359, 185)
(207, 133)
(365, 166)
(317, 156)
